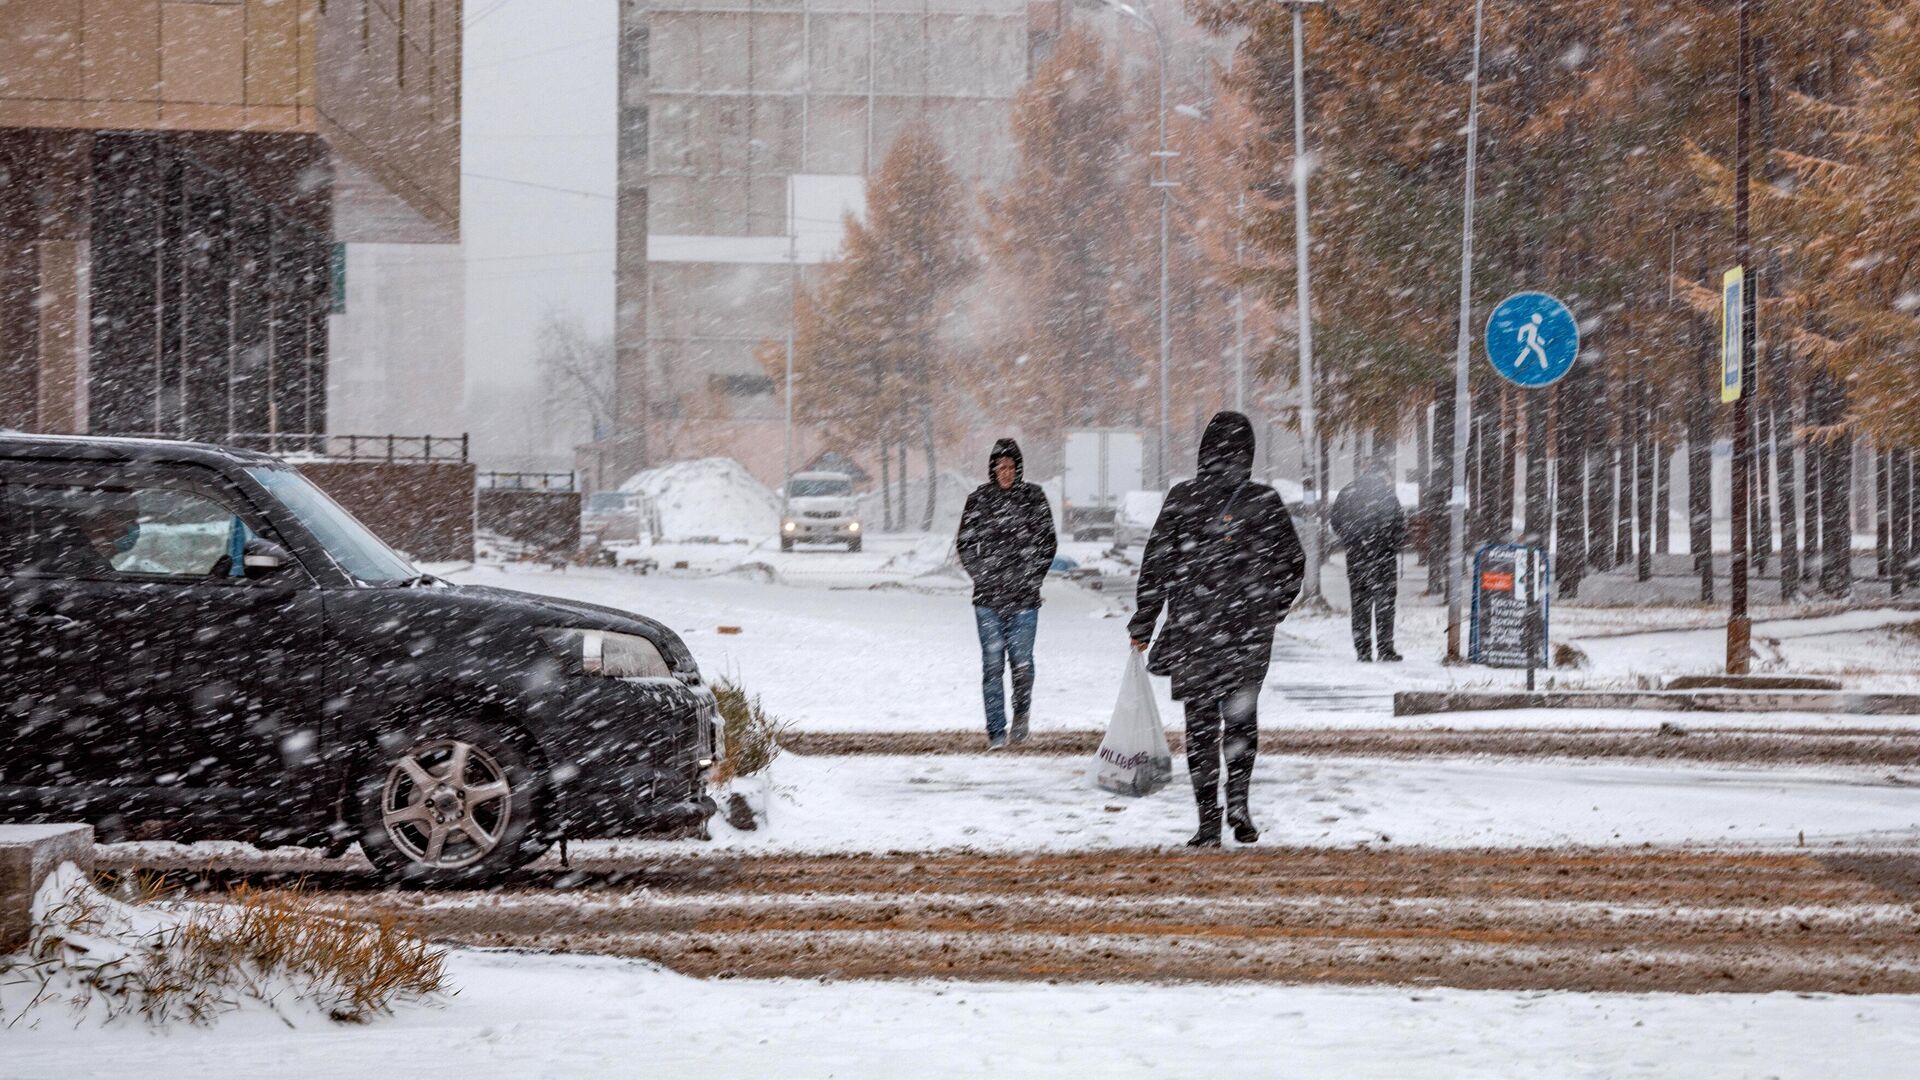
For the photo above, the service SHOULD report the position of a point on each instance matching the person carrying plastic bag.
(1133, 758)
(1225, 563)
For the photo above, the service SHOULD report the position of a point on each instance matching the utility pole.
(793, 300)
(1739, 624)
(1309, 440)
(1457, 500)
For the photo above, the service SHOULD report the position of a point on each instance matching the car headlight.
(788, 526)
(853, 526)
(603, 652)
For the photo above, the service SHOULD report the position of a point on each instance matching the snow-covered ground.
(883, 640)
(878, 804)
(521, 1016)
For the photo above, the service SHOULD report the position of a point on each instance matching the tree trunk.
(1899, 506)
(933, 475)
(1764, 482)
(1599, 461)
(1440, 462)
(1662, 487)
(900, 449)
(1881, 526)
(1836, 477)
(1700, 466)
(886, 485)
(1570, 465)
(1643, 482)
(1423, 470)
(1784, 416)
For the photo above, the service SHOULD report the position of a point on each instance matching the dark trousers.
(1226, 726)
(1372, 585)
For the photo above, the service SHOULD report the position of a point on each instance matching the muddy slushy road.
(1603, 919)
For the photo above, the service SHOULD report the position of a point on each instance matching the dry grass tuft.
(753, 734)
(276, 947)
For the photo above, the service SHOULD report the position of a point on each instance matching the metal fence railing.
(528, 481)
(393, 449)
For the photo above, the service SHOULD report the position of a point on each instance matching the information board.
(1508, 581)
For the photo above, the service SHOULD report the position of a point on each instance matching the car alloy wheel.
(446, 804)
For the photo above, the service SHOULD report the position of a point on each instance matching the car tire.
(786, 544)
(853, 545)
(449, 801)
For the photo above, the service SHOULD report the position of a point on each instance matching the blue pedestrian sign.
(1532, 340)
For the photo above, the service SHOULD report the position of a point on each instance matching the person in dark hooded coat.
(1368, 520)
(1006, 543)
(1224, 562)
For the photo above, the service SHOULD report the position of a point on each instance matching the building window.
(741, 385)
(400, 53)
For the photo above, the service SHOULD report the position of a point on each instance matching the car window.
(351, 545)
(811, 488)
(110, 530)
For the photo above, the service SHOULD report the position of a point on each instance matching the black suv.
(197, 642)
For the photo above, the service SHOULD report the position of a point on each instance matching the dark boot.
(1017, 734)
(1208, 834)
(1242, 822)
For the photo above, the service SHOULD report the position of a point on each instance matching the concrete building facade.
(748, 129)
(175, 177)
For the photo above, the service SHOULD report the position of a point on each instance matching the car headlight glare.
(788, 526)
(853, 527)
(603, 652)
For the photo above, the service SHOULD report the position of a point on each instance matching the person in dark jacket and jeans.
(1224, 561)
(1368, 520)
(1006, 544)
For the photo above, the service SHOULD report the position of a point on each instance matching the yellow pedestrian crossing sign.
(1733, 288)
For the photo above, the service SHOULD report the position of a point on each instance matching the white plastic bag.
(1133, 758)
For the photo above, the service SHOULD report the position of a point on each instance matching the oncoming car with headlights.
(197, 641)
(820, 508)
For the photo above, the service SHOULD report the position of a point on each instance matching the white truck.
(1099, 466)
(821, 507)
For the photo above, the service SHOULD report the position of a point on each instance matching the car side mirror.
(263, 558)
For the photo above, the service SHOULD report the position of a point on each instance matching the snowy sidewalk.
(521, 1016)
(877, 803)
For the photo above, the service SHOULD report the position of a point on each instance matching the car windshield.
(808, 487)
(352, 545)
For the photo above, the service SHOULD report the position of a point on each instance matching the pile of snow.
(709, 499)
(932, 554)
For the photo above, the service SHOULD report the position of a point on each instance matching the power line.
(542, 187)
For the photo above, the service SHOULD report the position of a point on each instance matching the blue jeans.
(1006, 636)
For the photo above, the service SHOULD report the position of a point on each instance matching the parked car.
(820, 507)
(199, 639)
(610, 516)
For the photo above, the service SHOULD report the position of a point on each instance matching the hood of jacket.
(1226, 450)
(1007, 448)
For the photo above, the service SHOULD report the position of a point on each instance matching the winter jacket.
(1224, 561)
(1369, 522)
(1006, 538)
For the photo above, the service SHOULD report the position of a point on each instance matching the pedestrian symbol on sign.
(1532, 339)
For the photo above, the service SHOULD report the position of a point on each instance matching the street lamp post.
(1309, 440)
(1144, 16)
(1739, 623)
(1457, 500)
